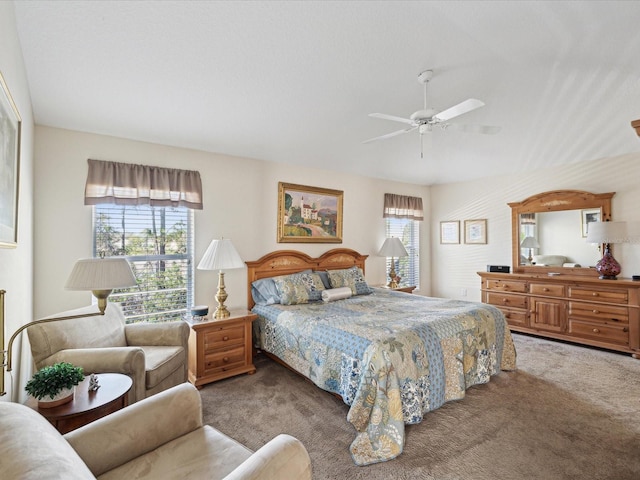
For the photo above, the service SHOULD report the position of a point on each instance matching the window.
(158, 242)
(407, 268)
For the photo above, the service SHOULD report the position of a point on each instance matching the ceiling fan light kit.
(425, 119)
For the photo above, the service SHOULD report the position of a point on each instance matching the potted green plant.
(54, 385)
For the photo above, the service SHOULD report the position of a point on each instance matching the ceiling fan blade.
(485, 129)
(459, 109)
(384, 116)
(389, 135)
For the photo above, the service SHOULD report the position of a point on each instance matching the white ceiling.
(294, 82)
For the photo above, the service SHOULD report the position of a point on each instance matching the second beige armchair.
(154, 355)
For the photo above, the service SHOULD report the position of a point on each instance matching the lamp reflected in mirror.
(530, 243)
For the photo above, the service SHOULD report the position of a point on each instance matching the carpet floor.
(567, 412)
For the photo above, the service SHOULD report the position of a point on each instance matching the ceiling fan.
(424, 120)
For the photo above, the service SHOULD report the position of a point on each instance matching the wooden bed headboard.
(285, 262)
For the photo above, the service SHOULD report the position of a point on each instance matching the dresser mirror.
(557, 223)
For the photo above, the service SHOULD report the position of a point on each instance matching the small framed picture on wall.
(450, 232)
(475, 231)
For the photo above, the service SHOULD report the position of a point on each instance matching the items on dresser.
(220, 348)
(586, 310)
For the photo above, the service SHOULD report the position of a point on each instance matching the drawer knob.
(545, 289)
(505, 300)
(595, 330)
(596, 311)
(225, 338)
(225, 359)
(595, 294)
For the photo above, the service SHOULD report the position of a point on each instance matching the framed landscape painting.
(10, 123)
(309, 214)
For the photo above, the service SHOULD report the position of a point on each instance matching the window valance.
(131, 184)
(402, 206)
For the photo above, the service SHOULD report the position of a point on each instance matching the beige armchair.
(154, 355)
(161, 437)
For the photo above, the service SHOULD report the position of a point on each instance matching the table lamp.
(530, 243)
(607, 233)
(393, 247)
(100, 275)
(221, 255)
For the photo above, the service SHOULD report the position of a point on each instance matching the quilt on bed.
(391, 356)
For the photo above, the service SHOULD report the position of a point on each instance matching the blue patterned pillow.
(350, 277)
(299, 288)
(264, 292)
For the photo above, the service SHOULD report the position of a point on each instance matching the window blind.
(408, 268)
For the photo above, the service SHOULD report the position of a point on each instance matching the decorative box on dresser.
(220, 348)
(580, 309)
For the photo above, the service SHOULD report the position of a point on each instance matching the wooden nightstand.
(406, 289)
(220, 348)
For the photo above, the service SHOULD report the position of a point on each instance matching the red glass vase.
(608, 267)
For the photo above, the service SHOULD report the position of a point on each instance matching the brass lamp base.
(392, 276)
(221, 296)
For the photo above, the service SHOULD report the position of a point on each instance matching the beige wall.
(16, 264)
(240, 203)
(454, 267)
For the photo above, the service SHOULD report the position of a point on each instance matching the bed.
(391, 356)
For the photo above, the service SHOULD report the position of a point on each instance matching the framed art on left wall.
(10, 124)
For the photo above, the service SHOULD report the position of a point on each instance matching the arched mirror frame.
(552, 201)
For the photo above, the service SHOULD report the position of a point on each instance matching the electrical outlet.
(463, 292)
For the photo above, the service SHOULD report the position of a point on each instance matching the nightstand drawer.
(506, 300)
(223, 337)
(224, 360)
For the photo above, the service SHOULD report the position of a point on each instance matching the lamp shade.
(530, 242)
(393, 247)
(101, 274)
(220, 255)
(607, 232)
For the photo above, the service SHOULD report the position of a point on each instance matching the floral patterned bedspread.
(391, 356)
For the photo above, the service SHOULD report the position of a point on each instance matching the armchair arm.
(282, 457)
(126, 360)
(161, 334)
(137, 429)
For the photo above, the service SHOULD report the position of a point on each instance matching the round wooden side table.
(86, 405)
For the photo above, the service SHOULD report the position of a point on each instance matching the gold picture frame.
(309, 214)
(10, 131)
(450, 232)
(475, 231)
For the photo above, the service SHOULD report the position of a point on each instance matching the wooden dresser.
(580, 309)
(220, 348)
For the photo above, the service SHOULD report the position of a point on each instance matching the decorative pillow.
(333, 294)
(350, 277)
(264, 292)
(325, 279)
(299, 288)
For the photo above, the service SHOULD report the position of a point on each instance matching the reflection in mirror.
(560, 239)
(558, 222)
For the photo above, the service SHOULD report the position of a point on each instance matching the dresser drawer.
(606, 333)
(602, 312)
(223, 337)
(547, 289)
(506, 300)
(515, 316)
(224, 360)
(613, 296)
(507, 286)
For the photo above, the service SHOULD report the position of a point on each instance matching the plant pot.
(65, 396)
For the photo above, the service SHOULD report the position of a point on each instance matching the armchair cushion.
(161, 362)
